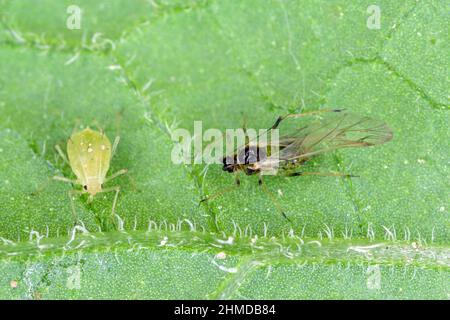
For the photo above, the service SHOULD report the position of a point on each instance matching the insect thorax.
(244, 159)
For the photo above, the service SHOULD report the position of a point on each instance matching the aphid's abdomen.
(89, 154)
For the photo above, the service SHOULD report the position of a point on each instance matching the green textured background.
(143, 68)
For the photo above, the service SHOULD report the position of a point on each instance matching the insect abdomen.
(89, 153)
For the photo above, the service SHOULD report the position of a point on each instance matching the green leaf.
(102, 21)
(415, 52)
(163, 264)
(141, 69)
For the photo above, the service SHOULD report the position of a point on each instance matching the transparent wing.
(333, 131)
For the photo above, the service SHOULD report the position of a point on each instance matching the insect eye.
(85, 187)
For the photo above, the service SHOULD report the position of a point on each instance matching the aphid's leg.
(244, 122)
(217, 194)
(119, 173)
(113, 211)
(71, 194)
(133, 183)
(90, 198)
(244, 128)
(274, 200)
(72, 203)
(114, 147)
(117, 190)
(64, 179)
(300, 115)
(335, 174)
(61, 154)
(236, 179)
(115, 175)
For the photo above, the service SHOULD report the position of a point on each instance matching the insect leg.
(113, 211)
(244, 127)
(277, 205)
(300, 115)
(236, 179)
(244, 123)
(114, 147)
(119, 173)
(64, 179)
(117, 190)
(335, 174)
(61, 154)
(90, 198)
(115, 175)
(217, 194)
(72, 203)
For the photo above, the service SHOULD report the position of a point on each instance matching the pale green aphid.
(90, 153)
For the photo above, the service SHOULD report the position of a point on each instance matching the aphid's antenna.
(119, 116)
(114, 147)
(301, 115)
(76, 126)
(99, 127)
(334, 174)
(61, 154)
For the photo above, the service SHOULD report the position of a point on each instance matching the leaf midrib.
(291, 249)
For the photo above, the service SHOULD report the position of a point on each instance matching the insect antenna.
(301, 115)
(118, 121)
(99, 127)
(75, 127)
(62, 154)
(114, 147)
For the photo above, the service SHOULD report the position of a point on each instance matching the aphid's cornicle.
(338, 129)
(89, 156)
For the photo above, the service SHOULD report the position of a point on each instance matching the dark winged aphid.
(301, 142)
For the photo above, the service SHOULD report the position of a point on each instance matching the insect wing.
(333, 131)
